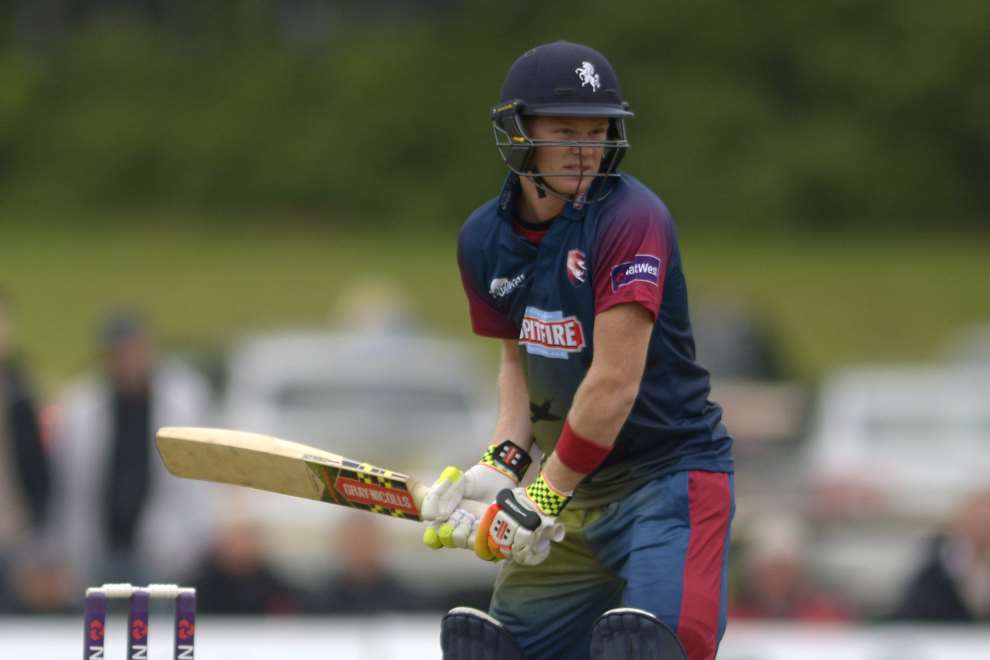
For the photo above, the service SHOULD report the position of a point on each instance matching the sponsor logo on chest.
(503, 286)
(551, 334)
(643, 268)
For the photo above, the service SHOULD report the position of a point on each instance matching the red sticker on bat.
(375, 495)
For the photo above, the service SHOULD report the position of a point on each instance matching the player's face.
(129, 363)
(578, 164)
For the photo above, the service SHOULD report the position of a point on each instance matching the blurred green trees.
(750, 116)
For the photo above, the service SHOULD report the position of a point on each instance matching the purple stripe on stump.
(185, 625)
(138, 624)
(94, 625)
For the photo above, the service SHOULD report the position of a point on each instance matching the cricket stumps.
(138, 618)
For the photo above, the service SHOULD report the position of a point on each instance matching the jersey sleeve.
(633, 254)
(486, 320)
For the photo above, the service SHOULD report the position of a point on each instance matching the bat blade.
(280, 466)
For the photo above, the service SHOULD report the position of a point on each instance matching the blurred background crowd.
(244, 214)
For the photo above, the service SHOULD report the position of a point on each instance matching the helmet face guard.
(518, 149)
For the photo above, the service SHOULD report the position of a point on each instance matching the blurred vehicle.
(399, 398)
(906, 442)
(890, 453)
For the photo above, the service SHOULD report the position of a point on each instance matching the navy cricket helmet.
(561, 79)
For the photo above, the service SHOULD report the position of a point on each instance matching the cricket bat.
(280, 466)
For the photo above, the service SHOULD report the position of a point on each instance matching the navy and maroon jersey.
(592, 257)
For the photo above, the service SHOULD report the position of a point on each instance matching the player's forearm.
(513, 421)
(605, 397)
(601, 406)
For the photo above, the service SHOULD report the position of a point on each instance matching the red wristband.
(579, 453)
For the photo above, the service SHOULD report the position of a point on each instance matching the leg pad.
(469, 634)
(626, 632)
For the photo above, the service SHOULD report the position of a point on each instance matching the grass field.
(830, 301)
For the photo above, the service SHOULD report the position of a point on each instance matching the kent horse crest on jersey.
(577, 267)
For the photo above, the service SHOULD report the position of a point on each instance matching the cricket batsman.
(618, 547)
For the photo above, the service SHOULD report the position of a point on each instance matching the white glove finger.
(533, 547)
(444, 495)
(473, 534)
(526, 549)
(554, 532)
(431, 535)
(536, 554)
(463, 523)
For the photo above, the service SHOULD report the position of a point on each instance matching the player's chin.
(571, 184)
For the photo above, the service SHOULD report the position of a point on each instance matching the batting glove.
(451, 526)
(521, 524)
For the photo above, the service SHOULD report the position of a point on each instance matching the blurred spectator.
(25, 475)
(235, 579)
(775, 584)
(363, 584)
(117, 514)
(953, 583)
(25, 480)
(37, 584)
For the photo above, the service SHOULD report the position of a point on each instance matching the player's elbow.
(625, 397)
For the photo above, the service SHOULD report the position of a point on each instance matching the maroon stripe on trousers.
(709, 508)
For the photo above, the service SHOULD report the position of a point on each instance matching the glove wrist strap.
(550, 500)
(508, 458)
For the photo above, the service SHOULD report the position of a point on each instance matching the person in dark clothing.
(953, 583)
(776, 581)
(235, 579)
(20, 435)
(117, 516)
(363, 585)
(128, 363)
(26, 450)
(25, 486)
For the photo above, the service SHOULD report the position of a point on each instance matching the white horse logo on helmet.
(586, 72)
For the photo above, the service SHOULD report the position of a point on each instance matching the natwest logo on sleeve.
(550, 334)
(643, 268)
